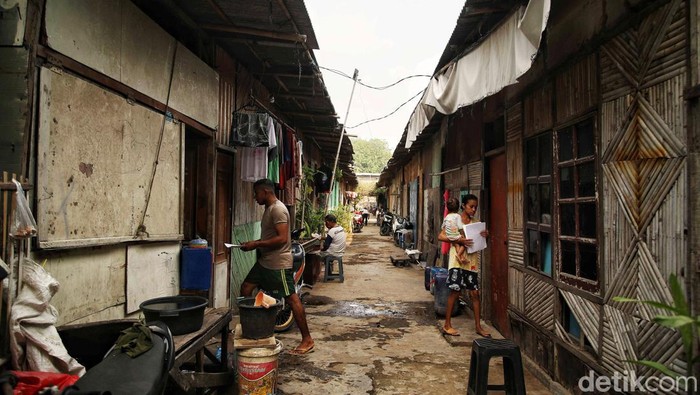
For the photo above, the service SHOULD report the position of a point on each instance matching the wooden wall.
(644, 154)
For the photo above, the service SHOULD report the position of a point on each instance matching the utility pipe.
(340, 139)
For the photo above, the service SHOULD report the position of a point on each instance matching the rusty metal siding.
(539, 302)
(537, 111)
(226, 107)
(576, 89)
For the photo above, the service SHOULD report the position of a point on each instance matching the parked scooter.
(401, 225)
(387, 223)
(285, 316)
(357, 222)
(109, 368)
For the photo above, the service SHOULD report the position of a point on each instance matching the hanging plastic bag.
(23, 224)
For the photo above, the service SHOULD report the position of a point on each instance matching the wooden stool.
(482, 351)
(329, 275)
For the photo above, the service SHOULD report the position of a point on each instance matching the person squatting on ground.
(272, 271)
(334, 244)
(464, 276)
(452, 224)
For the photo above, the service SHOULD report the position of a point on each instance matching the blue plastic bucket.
(434, 270)
(442, 292)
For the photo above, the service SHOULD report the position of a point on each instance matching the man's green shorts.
(277, 283)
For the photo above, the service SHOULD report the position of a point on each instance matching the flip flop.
(302, 351)
(450, 332)
(485, 335)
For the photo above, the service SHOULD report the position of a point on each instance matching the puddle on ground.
(420, 312)
(317, 300)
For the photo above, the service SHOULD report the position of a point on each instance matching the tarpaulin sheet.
(497, 62)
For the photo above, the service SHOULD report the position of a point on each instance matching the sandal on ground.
(450, 332)
(301, 351)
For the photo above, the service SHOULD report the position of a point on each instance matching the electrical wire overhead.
(389, 114)
(340, 73)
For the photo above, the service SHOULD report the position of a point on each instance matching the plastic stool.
(485, 349)
(329, 275)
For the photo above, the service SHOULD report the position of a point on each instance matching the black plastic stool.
(485, 349)
(329, 275)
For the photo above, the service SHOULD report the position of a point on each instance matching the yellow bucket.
(257, 370)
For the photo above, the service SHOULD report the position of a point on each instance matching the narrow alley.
(377, 332)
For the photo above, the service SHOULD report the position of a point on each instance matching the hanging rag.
(135, 341)
(250, 129)
(445, 196)
(34, 341)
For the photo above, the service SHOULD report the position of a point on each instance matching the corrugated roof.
(274, 40)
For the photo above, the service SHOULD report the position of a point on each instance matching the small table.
(216, 321)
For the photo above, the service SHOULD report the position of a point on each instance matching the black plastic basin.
(182, 314)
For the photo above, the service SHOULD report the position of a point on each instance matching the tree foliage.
(370, 155)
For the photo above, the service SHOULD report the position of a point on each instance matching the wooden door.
(497, 225)
(224, 214)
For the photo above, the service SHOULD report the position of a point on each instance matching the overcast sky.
(385, 40)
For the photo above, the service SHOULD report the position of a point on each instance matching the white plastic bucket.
(257, 370)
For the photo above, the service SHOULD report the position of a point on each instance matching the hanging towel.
(273, 165)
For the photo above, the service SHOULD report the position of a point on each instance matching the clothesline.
(259, 104)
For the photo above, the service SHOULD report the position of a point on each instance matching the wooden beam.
(293, 37)
(291, 75)
(292, 95)
(219, 11)
(310, 114)
(254, 41)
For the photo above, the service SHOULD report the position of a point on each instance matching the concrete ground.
(377, 333)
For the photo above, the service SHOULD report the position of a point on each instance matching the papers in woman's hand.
(227, 245)
(473, 231)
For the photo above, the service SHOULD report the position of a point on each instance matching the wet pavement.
(377, 333)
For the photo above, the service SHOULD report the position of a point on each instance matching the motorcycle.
(285, 316)
(109, 368)
(399, 228)
(387, 221)
(357, 222)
